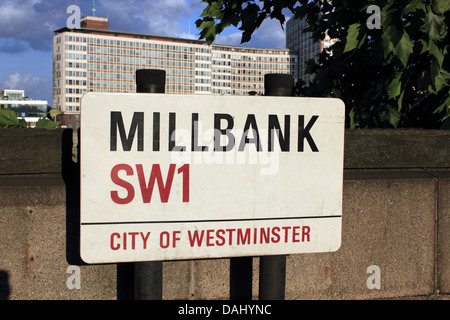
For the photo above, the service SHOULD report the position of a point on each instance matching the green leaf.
(446, 122)
(310, 66)
(392, 116)
(352, 119)
(394, 88)
(249, 19)
(46, 123)
(8, 119)
(445, 104)
(23, 123)
(232, 19)
(213, 9)
(440, 81)
(424, 46)
(208, 29)
(412, 6)
(352, 37)
(204, 24)
(434, 25)
(440, 6)
(54, 112)
(389, 39)
(400, 101)
(404, 48)
(436, 52)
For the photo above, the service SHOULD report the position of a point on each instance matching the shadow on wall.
(4, 285)
(71, 176)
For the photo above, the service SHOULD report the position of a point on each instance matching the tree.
(395, 74)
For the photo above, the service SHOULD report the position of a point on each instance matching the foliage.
(8, 119)
(394, 76)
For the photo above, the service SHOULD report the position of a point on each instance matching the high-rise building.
(299, 40)
(95, 59)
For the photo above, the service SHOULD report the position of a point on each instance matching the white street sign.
(167, 177)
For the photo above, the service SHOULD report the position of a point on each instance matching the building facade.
(24, 107)
(299, 40)
(95, 59)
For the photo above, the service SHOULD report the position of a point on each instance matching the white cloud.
(187, 35)
(32, 21)
(29, 24)
(268, 35)
(231, 39)
(13, 15)
(33, 85)
(158, 17)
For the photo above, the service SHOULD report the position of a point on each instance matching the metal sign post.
(241, 273)
(272, 269)
(148, 275)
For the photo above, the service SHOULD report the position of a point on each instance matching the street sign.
(168, 177)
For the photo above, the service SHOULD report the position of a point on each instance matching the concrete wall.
(396, 215)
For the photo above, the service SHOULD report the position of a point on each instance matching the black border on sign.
(205, 221)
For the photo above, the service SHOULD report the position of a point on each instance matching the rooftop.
(16, 95)
(89, 27)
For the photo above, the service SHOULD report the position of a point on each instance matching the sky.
(27, 28)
